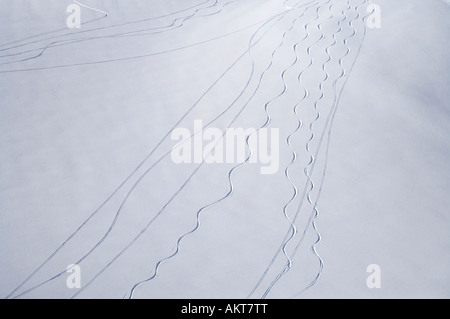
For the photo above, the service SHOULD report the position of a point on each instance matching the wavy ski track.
(288, 236)
(314, 213)
(330, 121)
(288, 142)
(59, 43)
(230, 173)
(343, 74)
(280, 16)
(140, 165)
(312, 158)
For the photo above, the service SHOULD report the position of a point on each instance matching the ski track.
(309, 187)
(330, 121)
(230, 173)
(315, 212)
(312, 159)
(118, 35)
(288, 236)
(89, 30)
(91, 8)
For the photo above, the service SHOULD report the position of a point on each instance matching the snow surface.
(86, 175)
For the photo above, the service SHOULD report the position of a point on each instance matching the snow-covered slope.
(87, 178)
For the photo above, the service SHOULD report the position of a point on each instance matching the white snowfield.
(87, 177)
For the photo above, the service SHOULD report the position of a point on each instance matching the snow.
(86, 175)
